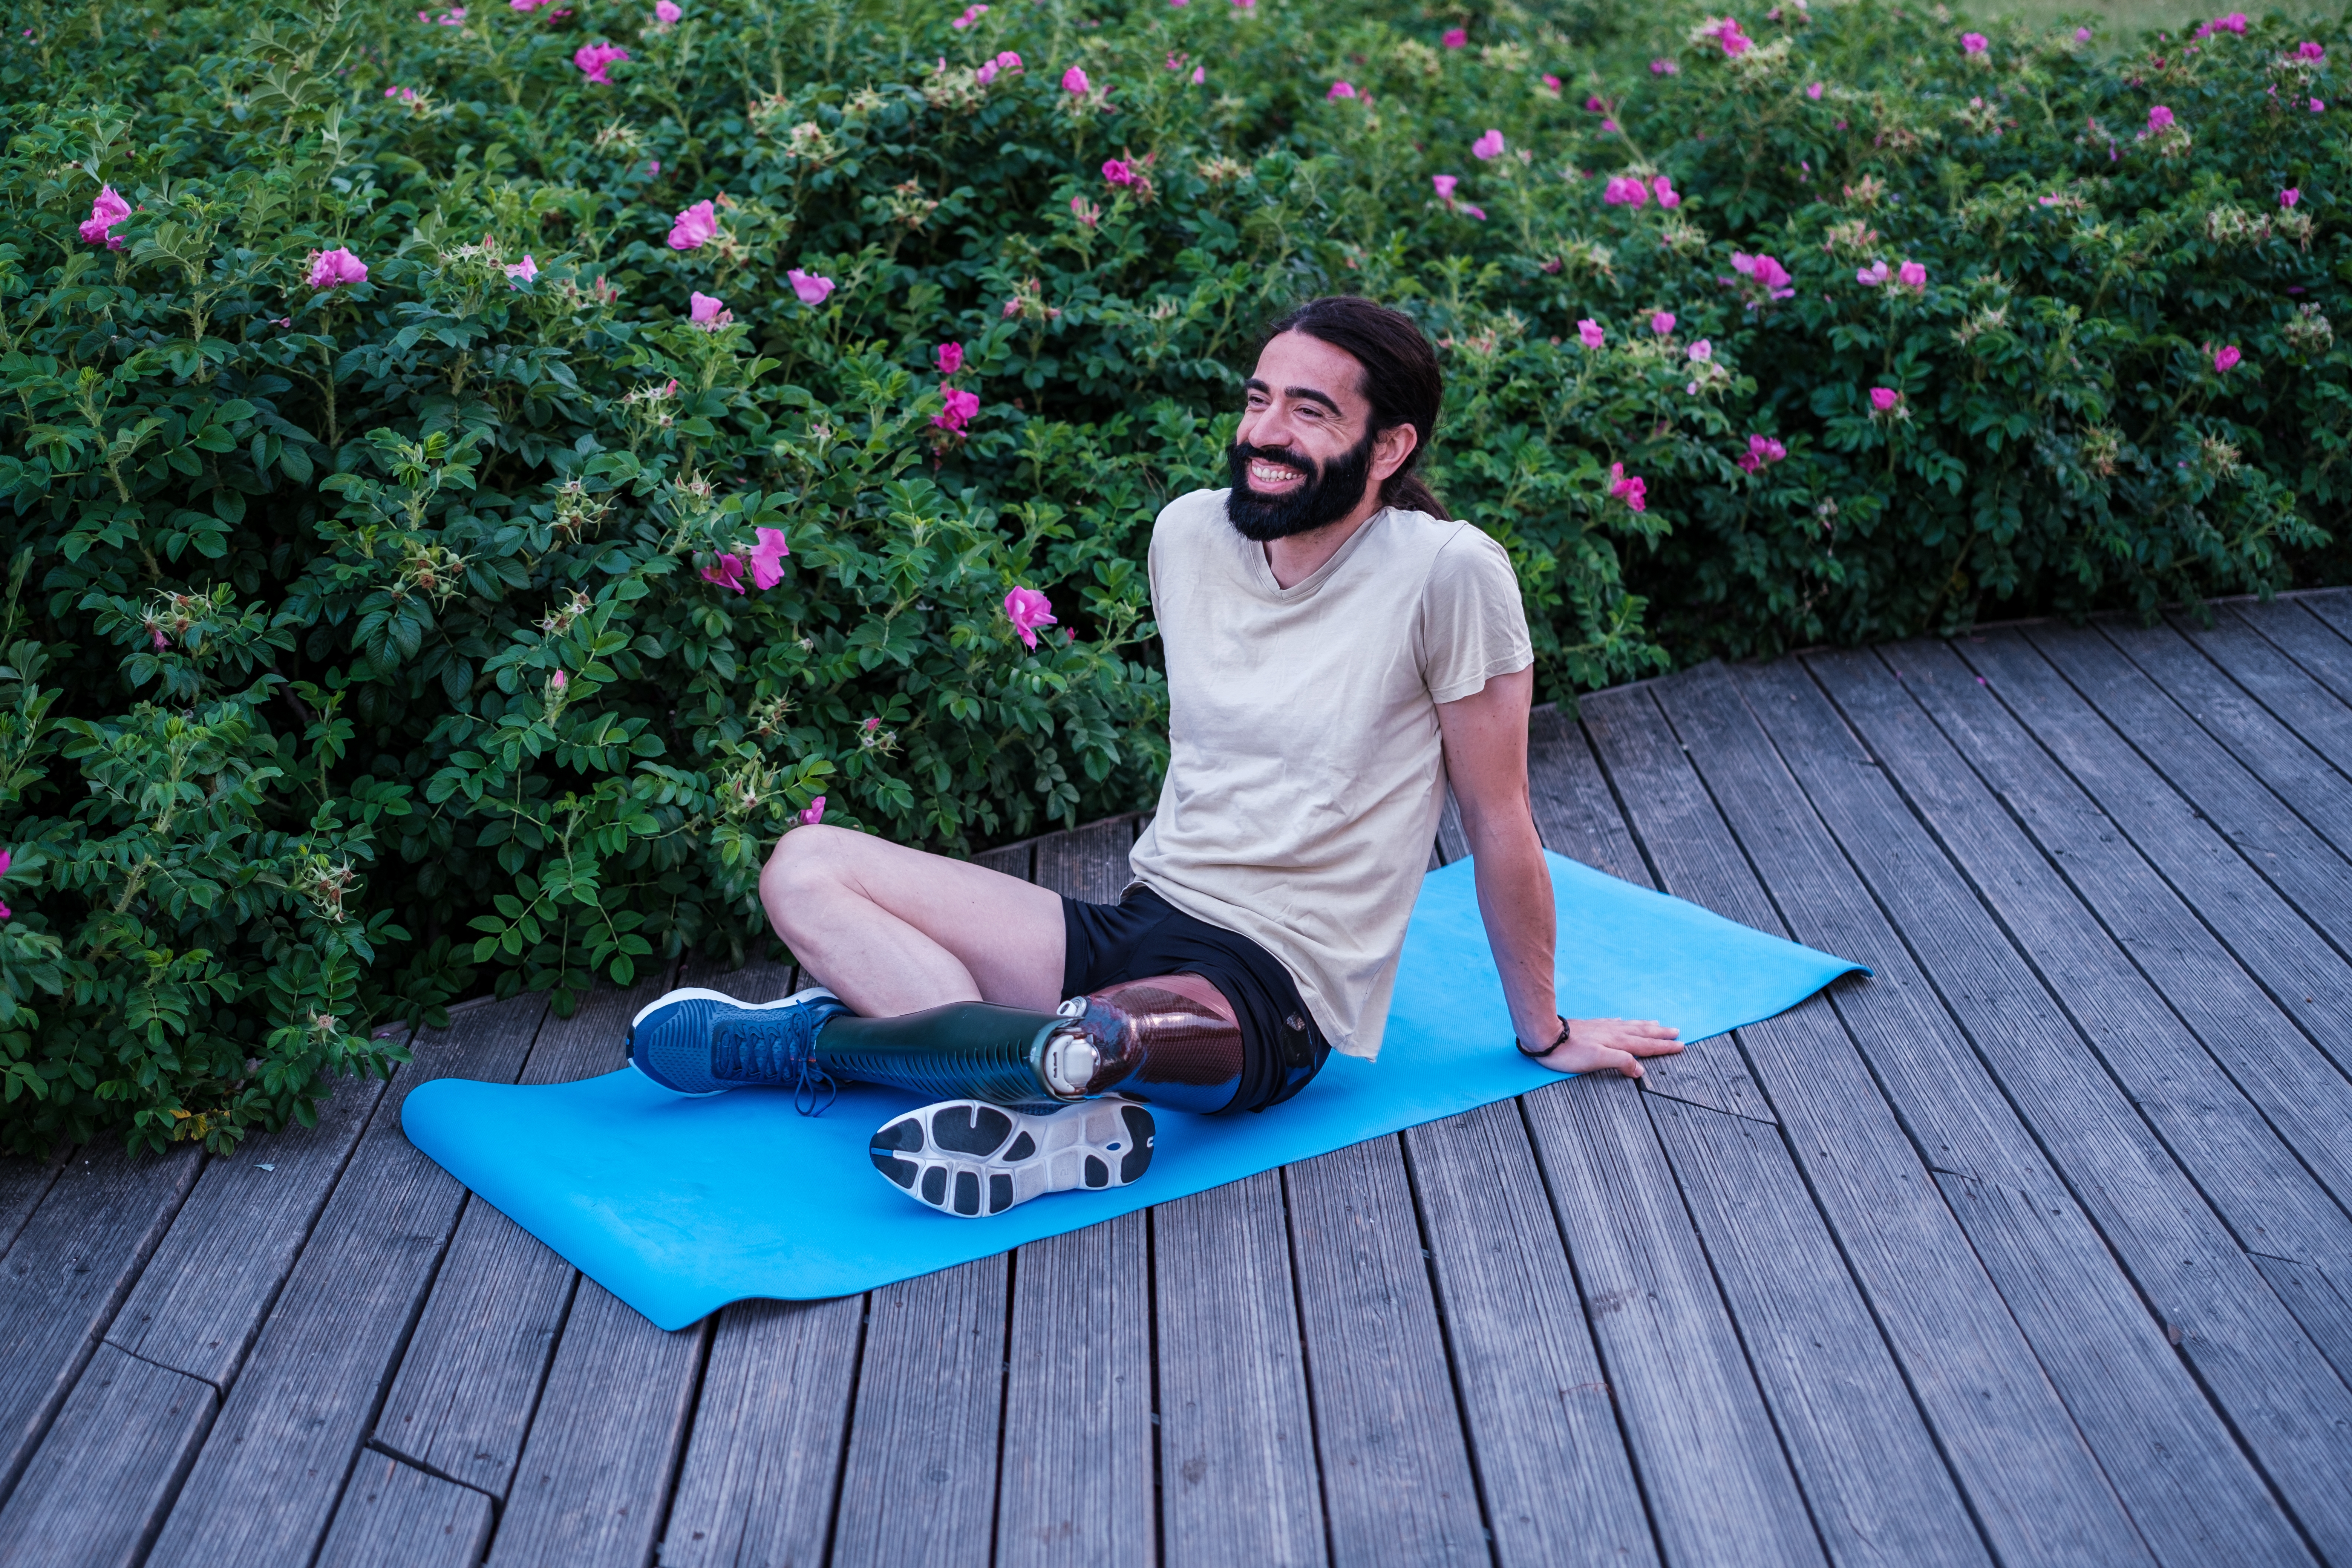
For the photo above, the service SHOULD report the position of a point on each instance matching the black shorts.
(1143, 935)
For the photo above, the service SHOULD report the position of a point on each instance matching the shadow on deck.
(2033, 1249)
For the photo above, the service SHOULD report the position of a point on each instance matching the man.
(1336, 654)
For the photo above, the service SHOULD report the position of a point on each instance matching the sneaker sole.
(971, 1159)
(686, 993)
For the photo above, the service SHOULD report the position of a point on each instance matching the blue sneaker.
(704, 1042)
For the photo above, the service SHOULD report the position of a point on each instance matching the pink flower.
(653, 166)
(1633, 490)
(1007, 61)
(1762, 452)
(1610, 126)
(813, 813)
(157, 637)
(2227, 360)
(106, 210)
(2290, 197)
(523, 271)
(1871, 276)
(950, 358)
(2310, 51)
(1662, 323)
(1589, 331)
(960, 406)
(1085, 212)
(1700, 351)
(334, 269)
(1445, 184)
(1767, 271)
(985, 74)
(595, 60)
(768, 557)
(1725, 31)
(1625, 191)
(1663, 67)
(2081, 35)
(695, 227)
(1028, 609)
(1884, 398)
(1668, 197)
(1912, 275)
(1117, 172)
(666, 13)
(1593, 105)
(1490, 145)
(2235, 22)
(971, 14)
(1199, 75)
(1813, 92)
(1073, 80)
(2318, 106)
(726, 572)
(1340, 89)
(1245, 4)
(1552, 84)
(707, 311)
(2159, 121)
(1974, 43)
(811, 287)
(557, 682)
(1455, 38)
(1474, 212)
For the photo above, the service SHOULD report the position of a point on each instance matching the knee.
(806, 863)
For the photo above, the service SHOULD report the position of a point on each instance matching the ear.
(1392, 449)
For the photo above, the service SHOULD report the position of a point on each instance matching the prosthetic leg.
(1139, 1039)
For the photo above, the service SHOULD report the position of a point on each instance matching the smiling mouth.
(1273, 475)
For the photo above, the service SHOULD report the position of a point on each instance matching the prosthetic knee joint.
(1143, 1040)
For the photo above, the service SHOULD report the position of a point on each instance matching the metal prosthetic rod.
(1136, 1038)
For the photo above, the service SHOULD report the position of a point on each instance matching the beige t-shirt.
(1305, 768)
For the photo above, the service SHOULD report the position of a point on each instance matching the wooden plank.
(68, 1270)
(265, 1485)
(2275, 842)
(2296, 627)
(2250, 912)
(2319, 1303)
(2169, 1456)
(395, 1513)
(594, 1477)
(1396, 1468)
(2204, 1105)
(2263, 746)
(1089, 863)
(1239, 1470)
(1578, 818)
(919, 1483)
(201, 1298)
(2009, 1439)
(1879, 1491)
(1718, 1484)
(1552, 1463)
(1077, 1482)
(23, 1184)
(2315, 716)
(1076, 1474)
(2333, 607)
(90, 1495)
(764, 1461)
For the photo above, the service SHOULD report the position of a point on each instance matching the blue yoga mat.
(678, 1206)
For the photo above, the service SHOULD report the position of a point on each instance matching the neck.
(1293, 559)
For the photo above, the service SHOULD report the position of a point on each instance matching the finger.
(1626, 1064)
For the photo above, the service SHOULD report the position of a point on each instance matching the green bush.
(370, 642)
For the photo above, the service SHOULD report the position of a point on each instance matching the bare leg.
(891, 930)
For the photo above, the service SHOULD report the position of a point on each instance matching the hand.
(1599, 1044)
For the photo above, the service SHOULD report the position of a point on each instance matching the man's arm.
(1487, 761)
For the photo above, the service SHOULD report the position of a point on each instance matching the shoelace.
(772, 1051)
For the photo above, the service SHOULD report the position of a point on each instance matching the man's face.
(1304, 454)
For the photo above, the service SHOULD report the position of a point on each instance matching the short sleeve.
(1474, 626)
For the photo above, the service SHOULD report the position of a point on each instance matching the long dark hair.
(1402, 381)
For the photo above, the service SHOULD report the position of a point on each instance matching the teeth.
(1269, 474)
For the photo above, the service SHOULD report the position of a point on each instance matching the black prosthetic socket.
(965, 1050)
(1136, 1039)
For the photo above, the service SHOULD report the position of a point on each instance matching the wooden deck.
(2033, 1249)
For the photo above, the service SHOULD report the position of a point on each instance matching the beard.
(1331, 492)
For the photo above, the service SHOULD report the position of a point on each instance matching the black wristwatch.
(1557, 1041)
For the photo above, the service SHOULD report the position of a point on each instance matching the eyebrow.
(1304, 394)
